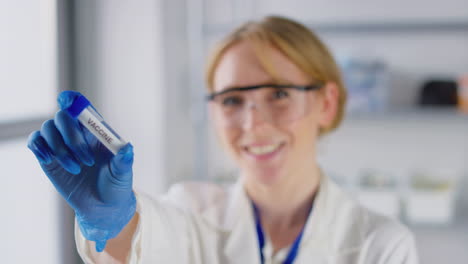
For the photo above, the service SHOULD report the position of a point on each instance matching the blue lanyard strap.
(261, 240)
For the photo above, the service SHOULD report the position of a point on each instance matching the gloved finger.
(115, 181)
(39, 147)
(100, 245)
(73, 137)
(66, 98)
(61, 152)
(121, 163)
(121, 167)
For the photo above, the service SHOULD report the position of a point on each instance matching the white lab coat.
(201, 223)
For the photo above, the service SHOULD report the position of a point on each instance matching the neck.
(286, 204)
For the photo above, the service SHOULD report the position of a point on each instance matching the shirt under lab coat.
(204, 223)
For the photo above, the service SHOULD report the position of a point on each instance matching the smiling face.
(270, 152)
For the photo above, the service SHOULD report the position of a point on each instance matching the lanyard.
(261, 240)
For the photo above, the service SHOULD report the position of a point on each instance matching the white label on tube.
(100, 131)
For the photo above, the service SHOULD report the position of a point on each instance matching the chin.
(265, 176)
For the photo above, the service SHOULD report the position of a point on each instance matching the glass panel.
(28, 59)
(29, 208)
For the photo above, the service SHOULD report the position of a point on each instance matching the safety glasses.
(277, 104)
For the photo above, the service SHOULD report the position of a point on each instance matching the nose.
(254, 116)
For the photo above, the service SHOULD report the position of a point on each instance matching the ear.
(329, 106)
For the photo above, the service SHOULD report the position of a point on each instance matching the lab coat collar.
(235, 217)
(240, 225)
(236, 206)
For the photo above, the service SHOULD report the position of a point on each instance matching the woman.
(274, 89)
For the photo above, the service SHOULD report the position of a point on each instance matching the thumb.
(121, 165)
(115, 183)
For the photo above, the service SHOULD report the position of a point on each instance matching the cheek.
(304, 133)
(228, 137)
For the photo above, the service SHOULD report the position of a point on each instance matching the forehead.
(239, 66)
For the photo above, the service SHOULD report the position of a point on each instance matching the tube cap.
(78, 105)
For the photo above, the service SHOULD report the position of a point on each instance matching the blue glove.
(94, 182)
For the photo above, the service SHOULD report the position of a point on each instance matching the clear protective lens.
(275, 105)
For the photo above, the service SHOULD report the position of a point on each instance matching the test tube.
(82, 110)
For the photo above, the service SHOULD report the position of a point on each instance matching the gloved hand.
(94, 182)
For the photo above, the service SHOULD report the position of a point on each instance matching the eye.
(280, 94)
(231, 101)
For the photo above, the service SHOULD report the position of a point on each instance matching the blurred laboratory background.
(402, 150)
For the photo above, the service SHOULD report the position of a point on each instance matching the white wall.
(29, 218)
(121, 67)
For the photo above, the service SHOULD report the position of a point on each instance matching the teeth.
(263, 149)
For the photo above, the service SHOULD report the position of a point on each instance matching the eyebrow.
(310, 87)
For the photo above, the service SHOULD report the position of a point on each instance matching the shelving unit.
(442, 114)
(391, 26)
(368, 27)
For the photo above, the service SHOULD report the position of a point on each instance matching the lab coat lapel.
(325, 225)
(315, 244)
(319, 241)
(241, 244)
(318, 221)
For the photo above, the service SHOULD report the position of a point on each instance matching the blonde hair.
(296, 42)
